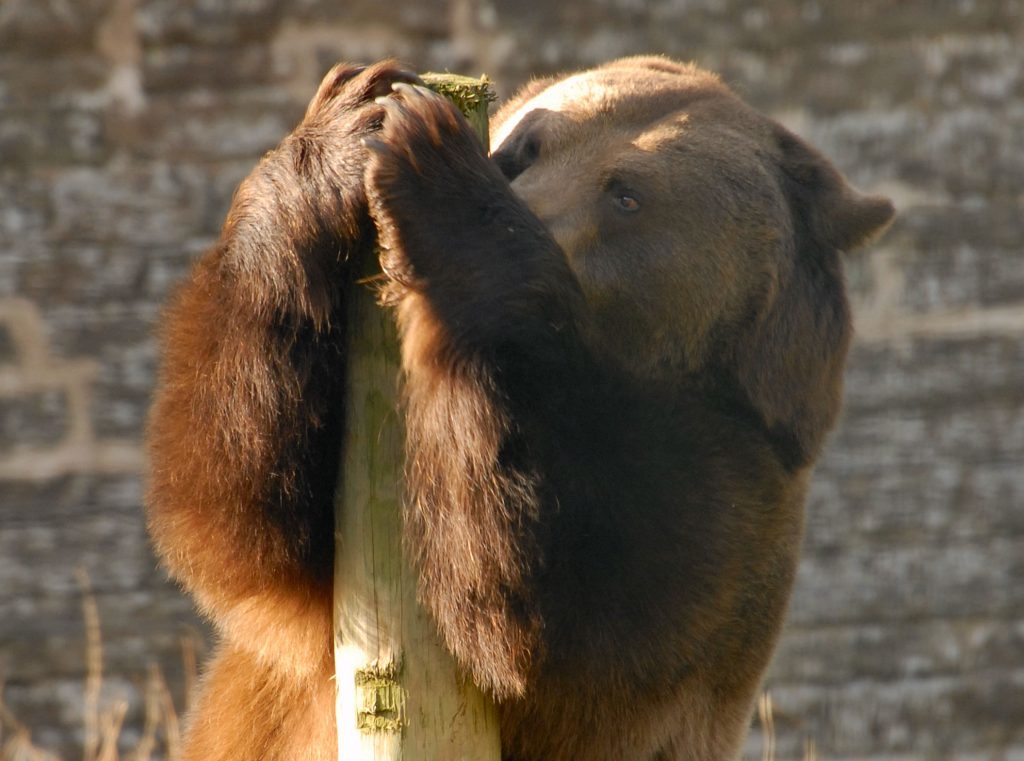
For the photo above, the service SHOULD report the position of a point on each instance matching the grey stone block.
(33, 420)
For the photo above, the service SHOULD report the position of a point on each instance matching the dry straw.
(102, 724)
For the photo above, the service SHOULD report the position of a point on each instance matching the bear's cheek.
(634, 318)
(657, 303)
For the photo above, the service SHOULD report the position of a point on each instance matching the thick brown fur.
(622, 336)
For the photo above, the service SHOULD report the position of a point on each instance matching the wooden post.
(400, 694)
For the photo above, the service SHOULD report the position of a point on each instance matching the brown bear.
(622, 335)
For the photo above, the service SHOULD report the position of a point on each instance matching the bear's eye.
(622, 195)
(627, 203)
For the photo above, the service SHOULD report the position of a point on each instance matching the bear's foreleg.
(488, 312)
(245, 428)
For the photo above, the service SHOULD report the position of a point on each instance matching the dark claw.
(403, 88)
(390, 105)
(408, 76)
(389, 79)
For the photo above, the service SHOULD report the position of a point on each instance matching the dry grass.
(161, 733)
(766, 717)
(102, 723)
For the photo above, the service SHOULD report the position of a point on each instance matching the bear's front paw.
(424, 139)
(427, 172)
(417, 113)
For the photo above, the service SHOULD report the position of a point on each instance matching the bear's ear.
(834, 213)
(790, 362)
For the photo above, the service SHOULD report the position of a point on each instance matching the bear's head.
(705, 236)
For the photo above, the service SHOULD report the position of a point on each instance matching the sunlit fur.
(611, 416)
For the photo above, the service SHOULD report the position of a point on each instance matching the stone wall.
(126, 124)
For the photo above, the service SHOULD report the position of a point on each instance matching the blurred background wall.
(126, 124)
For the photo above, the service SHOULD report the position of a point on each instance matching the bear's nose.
(551, 197)
(549, 194)
(533, 194)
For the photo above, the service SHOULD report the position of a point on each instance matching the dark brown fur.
(245, 427)
(611, 412)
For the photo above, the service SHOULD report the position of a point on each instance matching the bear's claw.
(347, 87)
